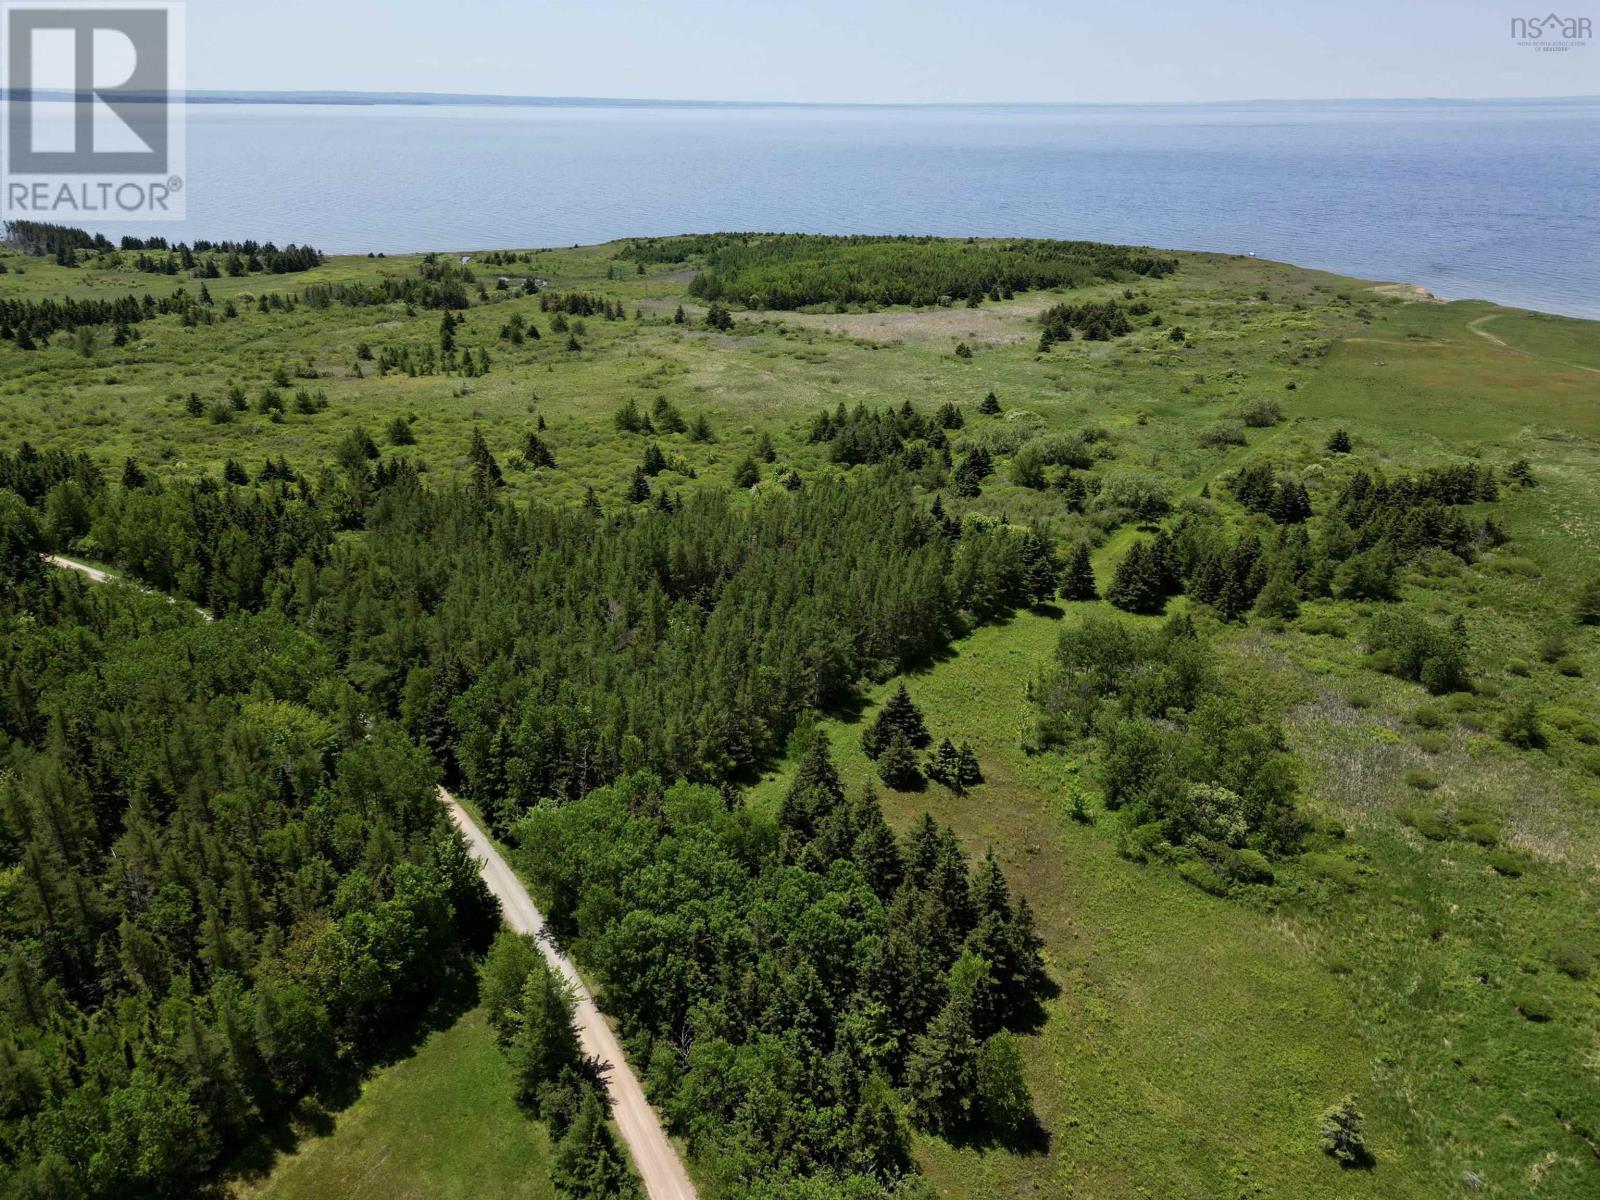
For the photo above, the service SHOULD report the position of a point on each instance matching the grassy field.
(1196, 1040)
(438, 1125)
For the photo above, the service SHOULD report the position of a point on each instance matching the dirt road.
(99, 576)
(653, 1155)
(654, 1158)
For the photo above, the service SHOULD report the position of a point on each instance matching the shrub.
(1421, 780)
(1506, 863)
(1534, 1007)
(1430, 824)
(1341, 1134)
(1332, 868)
(1418, 650)
(1199, 872)
(1225, 433)
(1521, 727)
(1263, 414)
(1587, 605)
(1425, 716)
(1571, 959)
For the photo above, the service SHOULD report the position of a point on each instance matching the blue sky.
(887, 50)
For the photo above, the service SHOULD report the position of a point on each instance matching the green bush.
(1521, 727)
(1425, 716)
(1199, 873)
(1506, 863)
(1333, 868)
(1534, 1007)
(1571, 960)
(1420, 779)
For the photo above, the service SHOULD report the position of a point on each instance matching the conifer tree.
(486, 474)
(898, 766)
(1041, 565)
(639, 488)
(899, 715)
(944, 765)
(1136, 585)
(1079, 583)
(536, 452)
(990, 406)
(1339, 442)
(400, 433)
(968, 772)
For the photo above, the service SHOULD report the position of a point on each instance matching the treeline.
(247, 259)
(31, 322)
(542, 652)
(799, 989)
(787, 271)
(228, 881)
(159, 256)
(43, 239)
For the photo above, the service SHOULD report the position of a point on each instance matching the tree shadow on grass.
(1028, 1140)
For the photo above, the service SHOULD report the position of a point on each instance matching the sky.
(889, 51)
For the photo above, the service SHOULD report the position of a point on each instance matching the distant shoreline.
(356, 99)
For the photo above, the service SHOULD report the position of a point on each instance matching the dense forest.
(267, 780)
(226, 880)
(796, 270)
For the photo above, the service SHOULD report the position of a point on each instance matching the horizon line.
(356, 97)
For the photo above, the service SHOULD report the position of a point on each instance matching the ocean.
(1499, 200)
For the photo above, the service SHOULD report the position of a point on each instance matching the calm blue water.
(1499, 200)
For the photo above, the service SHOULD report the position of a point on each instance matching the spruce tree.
(898, 766)
(1079, 583)
(944, 766)
(587, 1162)
(486, 475)
(1136, 586)
(639, 488)
(990, 407)
(1041, 565)
(746, 475)
(967, 770)
(899, 715)
(537, 453)
(1339, 443)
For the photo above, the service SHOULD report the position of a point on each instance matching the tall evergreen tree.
(1079, 583)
